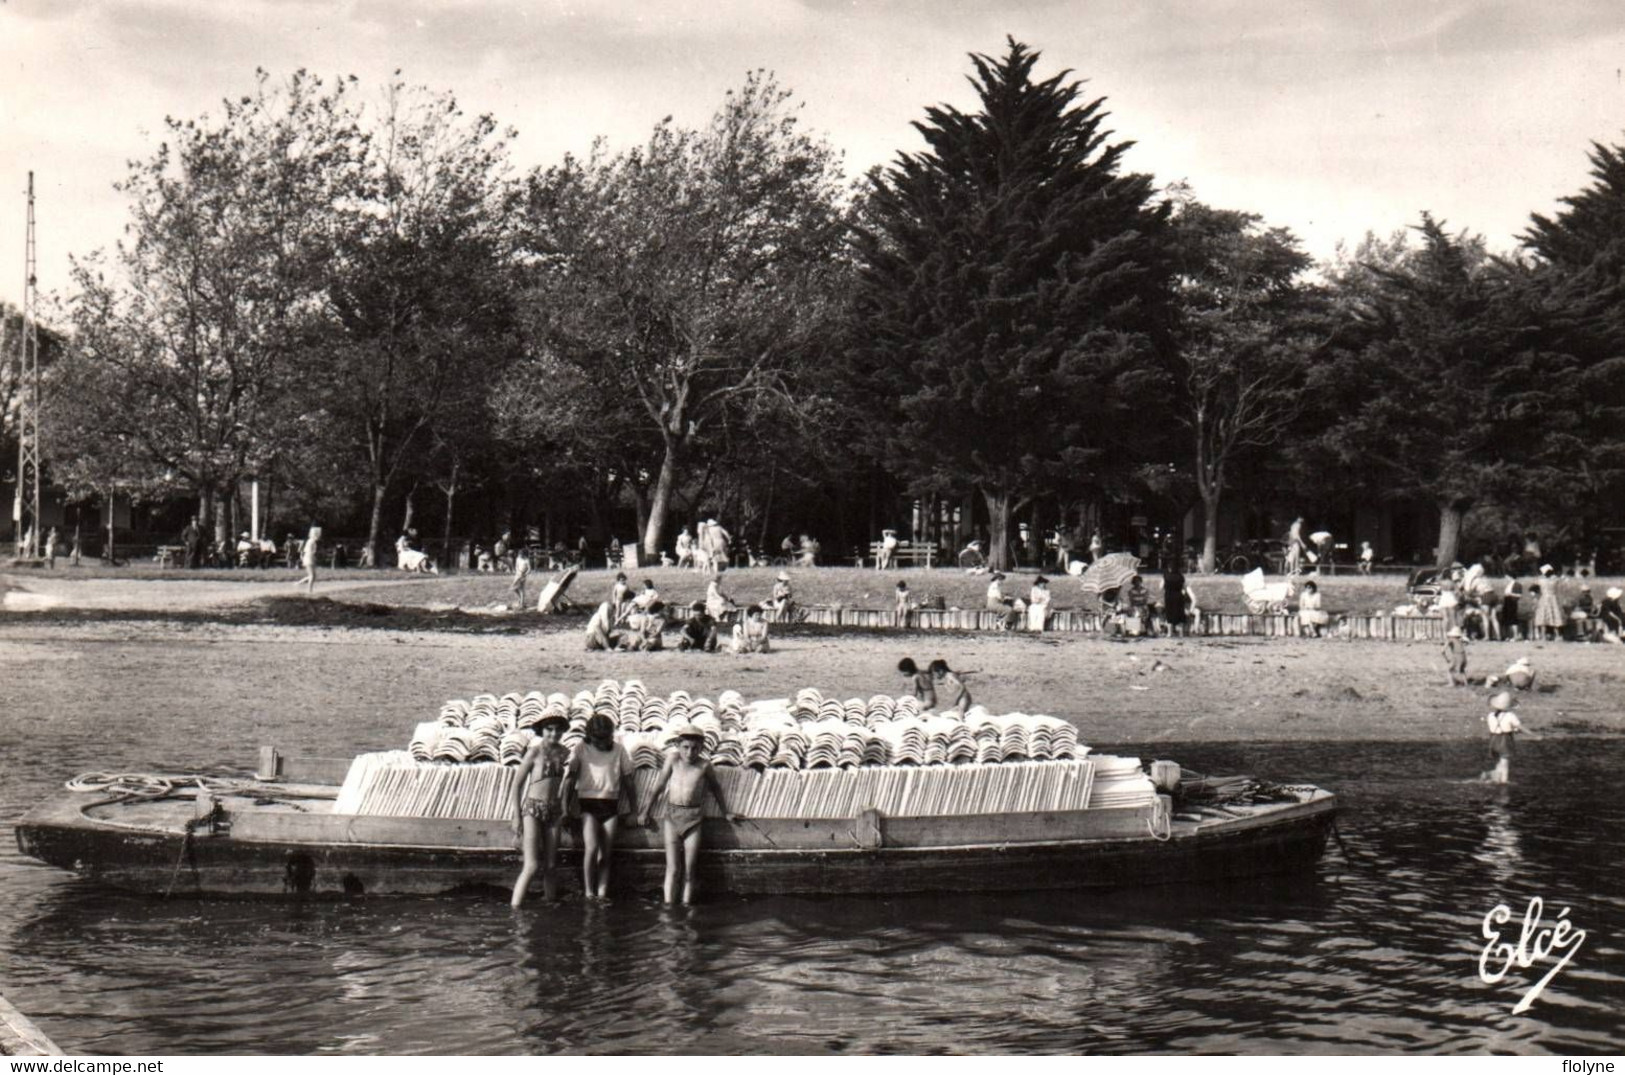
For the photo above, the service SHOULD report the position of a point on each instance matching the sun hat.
(552, 718)
(1545, 569)
(1501, 701)
(1614, 593)
(784, 576)
(1454, 632)
(685, 731)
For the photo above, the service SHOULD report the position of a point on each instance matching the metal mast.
(25, 510)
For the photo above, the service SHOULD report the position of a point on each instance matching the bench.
(907, 554)
(168, 555)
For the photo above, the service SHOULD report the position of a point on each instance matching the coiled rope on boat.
(150, 785)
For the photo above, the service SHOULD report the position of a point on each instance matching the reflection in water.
(1502, 850)
(1375, 951)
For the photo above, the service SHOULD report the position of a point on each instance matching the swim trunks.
(602, 809)
(682, 819)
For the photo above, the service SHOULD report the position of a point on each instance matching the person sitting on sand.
(1504, 727)
(1455, 657)
(646, 596)
(685, 779)
(538, 806)
(952, 686)
(1520, 676)
(750, 636)
(600, 629)
(645, 628)
(699, 630)
(925, 689)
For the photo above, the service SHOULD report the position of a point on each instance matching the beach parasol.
(1109, 572)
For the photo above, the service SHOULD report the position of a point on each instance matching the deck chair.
(552, 598)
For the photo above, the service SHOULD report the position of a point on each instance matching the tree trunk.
(369, 554)
(660, 504)
(998, 528)
(411, 509)
(112, 503)
(446, 554)
(1450, 515)
(1210, 528)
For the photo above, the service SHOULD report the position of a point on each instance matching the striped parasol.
(1109, 572)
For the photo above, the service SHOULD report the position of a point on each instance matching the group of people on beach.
(638, 620)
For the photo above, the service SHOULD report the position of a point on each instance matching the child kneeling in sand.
(684, 778)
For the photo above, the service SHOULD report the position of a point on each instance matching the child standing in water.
(685, 780)
(1504, 727)
(924, 689)
(952, 686)
(538, 806)
(600, 773)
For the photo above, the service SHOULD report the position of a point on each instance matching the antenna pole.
(25, 511)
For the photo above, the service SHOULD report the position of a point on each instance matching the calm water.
(1375, 952)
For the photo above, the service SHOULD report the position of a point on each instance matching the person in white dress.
(1038, 604)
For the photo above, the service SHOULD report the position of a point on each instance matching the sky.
(1330, 117)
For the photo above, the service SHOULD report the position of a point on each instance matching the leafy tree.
(1011, 282)
(1241, 346)
(418, 290)
(1439, 381)
(182, 337)
(691, 272)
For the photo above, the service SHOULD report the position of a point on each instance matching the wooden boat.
(277, 834)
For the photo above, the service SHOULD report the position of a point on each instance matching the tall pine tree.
(1011, 278)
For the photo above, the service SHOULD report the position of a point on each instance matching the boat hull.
(147, 848)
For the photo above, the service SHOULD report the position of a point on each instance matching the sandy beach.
(164, 676)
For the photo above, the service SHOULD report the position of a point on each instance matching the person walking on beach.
(1455, 657)
(1504, 728)
(538, 807)
(599, 777)
(521, 572)
(50, 548)
(307, 557)
(685, 779)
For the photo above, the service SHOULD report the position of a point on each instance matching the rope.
(152, 786)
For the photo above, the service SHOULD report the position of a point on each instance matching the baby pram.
(1264, 597)
(1423, 587)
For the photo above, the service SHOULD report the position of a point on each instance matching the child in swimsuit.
(924, 689)
(684, 779)
(952, 686)
(599, 773)
(539, 806)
